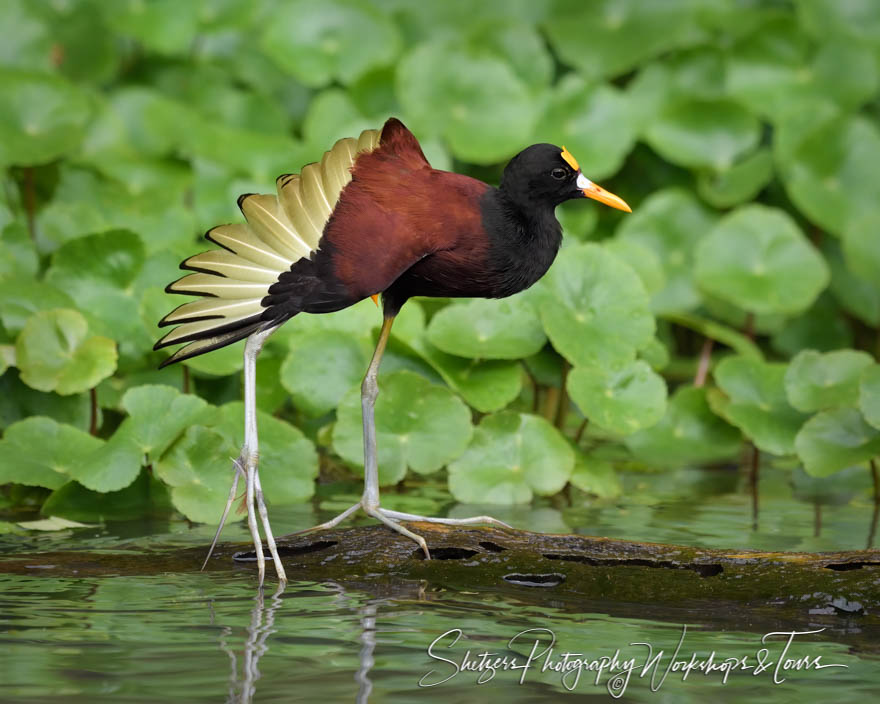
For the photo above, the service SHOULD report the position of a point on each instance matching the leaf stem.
(30, 201)
(749, 327)
(876, 477)
(754, 467)
(705, 361)
(562, 404)
(93, 415)
(817, 519)
(580, 431)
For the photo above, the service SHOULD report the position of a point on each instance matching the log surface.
(562, 569)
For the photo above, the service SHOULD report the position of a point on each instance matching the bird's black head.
(546, 175)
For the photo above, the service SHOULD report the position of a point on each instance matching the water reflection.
(262, 621)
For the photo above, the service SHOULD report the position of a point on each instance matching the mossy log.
(562, 569)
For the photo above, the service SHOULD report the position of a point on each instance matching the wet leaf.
(418, 425)
(758, 259)
(597, 311)
(754, 400)
(816, 381)
(507, 328)
(689, 433)
(836, 439)
(39, 451)
(512, 457)
(622, 398)
(55, 353)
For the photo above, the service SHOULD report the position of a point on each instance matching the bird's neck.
(524, 239)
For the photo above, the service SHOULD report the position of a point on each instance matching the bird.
(372, 218)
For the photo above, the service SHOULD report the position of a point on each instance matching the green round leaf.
(856, 295)
(869, 395)
(42, 117)
(855, 19)
(512, 457)
(21, 297)
(703, 134)
(670, 223)
(418, 425)
(861, 247)
(38, 451)
(739, 182)
(689, 433)
(488, 386)
(823, 327)
(827, 162)
(199, 470)
(114, 465)
(754, 401)
(146, 496)
(54, 353)
(579, 111)
(610, 37)
(336, 39)
(288, 462)
(322, 366)
(597, 310)
(166, 26)
(507, 328)
(159, 414)
(472, 98)
(595, 476)
(834, 440)
(758, 259)
(622, 398)
(816, 381)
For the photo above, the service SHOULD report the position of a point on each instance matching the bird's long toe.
(471, 521)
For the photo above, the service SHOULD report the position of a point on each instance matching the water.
(204, 637)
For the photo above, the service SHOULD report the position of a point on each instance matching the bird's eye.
(558, 174)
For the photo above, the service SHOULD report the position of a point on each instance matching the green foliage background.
(744, 133)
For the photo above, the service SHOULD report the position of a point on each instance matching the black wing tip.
(241, 199)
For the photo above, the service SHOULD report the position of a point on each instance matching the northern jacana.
(371, 218)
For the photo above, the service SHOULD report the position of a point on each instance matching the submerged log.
(562, 569)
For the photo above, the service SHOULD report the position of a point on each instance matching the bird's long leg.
(369, 392)
(370, 498)
(246, 464)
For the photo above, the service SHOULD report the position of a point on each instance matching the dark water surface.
(204, 637)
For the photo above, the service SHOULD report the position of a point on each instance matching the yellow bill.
(596, 192)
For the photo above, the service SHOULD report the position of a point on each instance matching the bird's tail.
(280, 230)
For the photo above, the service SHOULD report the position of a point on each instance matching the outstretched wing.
(280, 231)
